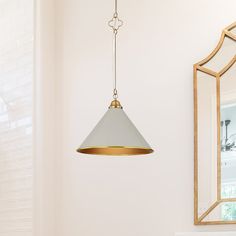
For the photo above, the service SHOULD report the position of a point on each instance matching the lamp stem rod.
(115, 95)
(115, 6)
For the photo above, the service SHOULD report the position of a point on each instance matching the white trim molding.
(44, 120)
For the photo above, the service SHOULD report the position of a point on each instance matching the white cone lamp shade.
(115, 135)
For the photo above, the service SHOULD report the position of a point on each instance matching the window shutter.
(16, 106)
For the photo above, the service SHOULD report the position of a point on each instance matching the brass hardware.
(115, 104)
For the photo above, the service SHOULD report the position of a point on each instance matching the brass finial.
(115, 104)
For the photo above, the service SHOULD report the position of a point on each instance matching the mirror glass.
(225, 54)
(207, 141)
(228, 140)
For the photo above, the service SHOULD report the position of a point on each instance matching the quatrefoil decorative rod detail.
(115, 23)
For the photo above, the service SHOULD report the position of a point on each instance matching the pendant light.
(115, 134)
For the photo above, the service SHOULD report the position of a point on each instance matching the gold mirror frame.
(227, 33)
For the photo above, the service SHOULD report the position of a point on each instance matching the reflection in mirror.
(228, 211)
(228, 141)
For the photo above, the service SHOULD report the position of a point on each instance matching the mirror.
(215, 133)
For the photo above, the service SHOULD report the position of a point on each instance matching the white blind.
(16, 162)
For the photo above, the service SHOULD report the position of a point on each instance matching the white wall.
(158, 45)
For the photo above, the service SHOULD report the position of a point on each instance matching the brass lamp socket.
(115, 104)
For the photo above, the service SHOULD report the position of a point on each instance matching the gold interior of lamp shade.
(115, 151)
